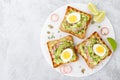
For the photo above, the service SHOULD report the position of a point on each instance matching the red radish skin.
(66, 69)
(104, 31)
(54, 17)
(62, 69)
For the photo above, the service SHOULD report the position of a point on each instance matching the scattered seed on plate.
(83, 70)
(50, 26)
(48, 32)
(92, 22)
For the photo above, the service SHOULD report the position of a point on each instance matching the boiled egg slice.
(99, 50)
(73, 17)
(66, 55)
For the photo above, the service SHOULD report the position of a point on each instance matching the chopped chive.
(99, 26)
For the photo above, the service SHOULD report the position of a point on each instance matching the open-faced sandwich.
(75, 22)
(93, 50)
(62, 51)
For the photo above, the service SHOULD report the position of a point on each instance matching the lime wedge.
(100, 17)
(112, 42)
(92, 8)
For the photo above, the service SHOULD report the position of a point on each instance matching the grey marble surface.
(21, 22)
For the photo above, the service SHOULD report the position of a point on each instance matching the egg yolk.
(72, 18)
(100, 49)
(66, 55)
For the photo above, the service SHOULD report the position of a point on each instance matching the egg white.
(99, 54)
(71, 54)
(76, 14)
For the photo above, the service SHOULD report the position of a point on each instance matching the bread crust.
(88, 22)
(87, 61)
(70, 38)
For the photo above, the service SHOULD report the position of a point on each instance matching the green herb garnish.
(99, 26)
(51, 37)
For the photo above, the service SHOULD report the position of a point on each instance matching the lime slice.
(92, 8)
(100, 17)
(112, 42)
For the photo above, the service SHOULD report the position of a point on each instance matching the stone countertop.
(20, 24)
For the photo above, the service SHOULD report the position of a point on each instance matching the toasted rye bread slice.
(85, 26)
(54, 42)
(95, 34)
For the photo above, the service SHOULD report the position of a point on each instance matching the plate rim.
(72, 35)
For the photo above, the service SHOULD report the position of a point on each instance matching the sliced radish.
(54, 17)
(62, 69)
(66, 69)
(104, 31)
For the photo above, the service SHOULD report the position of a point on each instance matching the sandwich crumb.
(50, 26)
(83, 70)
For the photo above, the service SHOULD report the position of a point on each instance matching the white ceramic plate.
(77, 67)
